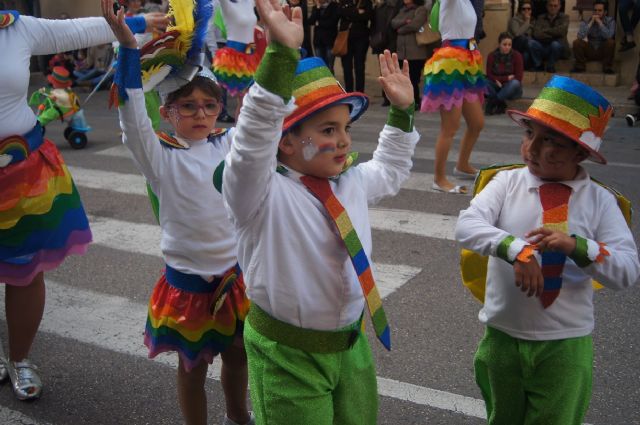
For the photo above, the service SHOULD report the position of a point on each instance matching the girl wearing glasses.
(198, 305)
(521, 30)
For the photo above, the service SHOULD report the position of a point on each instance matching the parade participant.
(454, 84)
(548, 230)
(303, 230)
(198, 305)
(42, 220)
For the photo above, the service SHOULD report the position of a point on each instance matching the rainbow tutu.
(451, 76)
(235, 65)
(42, 219)
(196, 318)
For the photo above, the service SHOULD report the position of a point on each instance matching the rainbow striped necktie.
(555, 206)
(321, 189)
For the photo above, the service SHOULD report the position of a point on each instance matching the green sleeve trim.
(402, 118)
(277, 69)
(503, 248)
(580, 255)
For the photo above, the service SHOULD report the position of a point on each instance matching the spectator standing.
(632, 119)
(409, 20)
(504, 72)
(302, 4)
(383, 36)
(324, 20)
(628, 22)
(596, 40)
(549, 41)
(520, 28)
(355, 16)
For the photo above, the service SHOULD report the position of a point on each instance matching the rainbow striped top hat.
(572, 109)
(315, 89)
(60, 78)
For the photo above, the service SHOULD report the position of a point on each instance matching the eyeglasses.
(190, 109)
(526, 8)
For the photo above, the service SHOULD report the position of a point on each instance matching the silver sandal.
(25, 381)
(4, 373)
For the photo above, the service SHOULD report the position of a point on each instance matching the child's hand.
(157, 21)
(552, 240)
(117, 24)
(395, 82)
(529, 276)
(283, 24)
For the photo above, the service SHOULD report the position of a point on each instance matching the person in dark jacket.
(505, 70)
(355, 15)
(306, 43)
(411, 19)
(324, 20)
(383, 36)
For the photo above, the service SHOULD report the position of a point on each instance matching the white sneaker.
(631, 119)
(227, 421)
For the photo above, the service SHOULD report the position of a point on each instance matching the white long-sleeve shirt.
(295, 266)
(457, 19)
(197, 236)
(510, 205)
(33, 36)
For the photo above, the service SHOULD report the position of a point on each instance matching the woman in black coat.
(355, 15)
(324, 20)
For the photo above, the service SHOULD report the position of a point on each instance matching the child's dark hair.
(207, 85)
(504, 35)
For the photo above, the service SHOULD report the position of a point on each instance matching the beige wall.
(74, 8)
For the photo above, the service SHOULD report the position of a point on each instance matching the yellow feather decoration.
(182, 12)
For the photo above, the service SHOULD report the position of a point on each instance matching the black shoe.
(627, 45)
(631, 119)
(500, 108)
(576, 70)
(550, 69)
(609, 71)
(385, 102)
(489, 107)
(226, 118)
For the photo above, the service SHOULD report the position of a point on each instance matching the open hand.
(118, 26)
(552, 240)
(395, 81)
(157, 21)
(529, 276)
(283, 24)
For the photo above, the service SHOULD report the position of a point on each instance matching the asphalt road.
(90, 347)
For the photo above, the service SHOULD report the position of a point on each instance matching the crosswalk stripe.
(115, 323)
(12, 417)
(415, 223)
(143, 238)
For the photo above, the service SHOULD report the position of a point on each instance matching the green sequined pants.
(294, 387)
(534, 382)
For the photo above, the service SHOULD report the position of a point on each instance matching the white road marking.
(415, 223)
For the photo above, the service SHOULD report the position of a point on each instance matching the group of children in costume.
(241, 209)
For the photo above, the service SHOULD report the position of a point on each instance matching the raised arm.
(250, 166)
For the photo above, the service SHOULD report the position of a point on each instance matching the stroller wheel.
(67, 132)
(77, 140)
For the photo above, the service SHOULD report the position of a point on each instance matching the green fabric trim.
(217, 176)
(277, 69)
(401, 118)
(569, 100)
(155, 203)
(310, 340)
(352, 242)
(580, 255)
(503, 248)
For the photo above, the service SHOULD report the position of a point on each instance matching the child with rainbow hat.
(548, 230)
(304, 238)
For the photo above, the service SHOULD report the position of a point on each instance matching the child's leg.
(191, 393)
(559, 379)
(499, 375)
(355, 400)
(24, 306)
(289, 386)
(234, 378)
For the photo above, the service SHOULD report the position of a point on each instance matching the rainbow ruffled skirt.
(187, 315)
(452, 76)
(42, 219)
(235, 65)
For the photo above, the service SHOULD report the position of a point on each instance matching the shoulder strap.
(473, 266)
